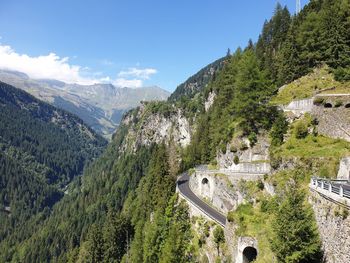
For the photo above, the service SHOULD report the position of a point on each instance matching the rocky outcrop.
(222, 189)
(216, 189)
(250, 159)
(156, 128)
(210, 100)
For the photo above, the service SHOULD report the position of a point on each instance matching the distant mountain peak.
(100, 105)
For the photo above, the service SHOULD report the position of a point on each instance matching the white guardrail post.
(341, 191)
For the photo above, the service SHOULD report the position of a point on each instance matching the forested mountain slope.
(124, 207)
(42, 149)
(198, 81)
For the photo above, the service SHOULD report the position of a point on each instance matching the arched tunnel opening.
(328, 105)
(205, 181)
(347, 105)
(249, 254)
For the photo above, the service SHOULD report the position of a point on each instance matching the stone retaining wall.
(334, 228)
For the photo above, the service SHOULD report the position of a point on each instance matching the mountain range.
(101, 106)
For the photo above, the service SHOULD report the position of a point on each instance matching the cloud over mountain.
(52, 66)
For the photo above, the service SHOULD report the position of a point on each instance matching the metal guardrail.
(337, 187)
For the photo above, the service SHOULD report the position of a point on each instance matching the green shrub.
(206, 229)
(231, 216)
(301, 130)
(243, 146)
(236, 160)
(252, 139)
(260, 185)
(314, 121)
(336, 213)
(338, 104)
(318, 101)
(264, 206)
(345, 213)
(219, 235)
(233, 149)
(223, 148)
(278, 130)
(342, 74)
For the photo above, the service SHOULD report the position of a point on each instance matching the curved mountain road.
(185, 190)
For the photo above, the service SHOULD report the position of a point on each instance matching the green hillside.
(42, 150)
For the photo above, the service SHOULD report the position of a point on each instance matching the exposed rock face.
(156, 128)
(252, 160)
(344, 169)
(220, 188)
(216, 189)
(334, 229)
(210, 100)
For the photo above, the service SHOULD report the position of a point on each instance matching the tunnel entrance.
(205, 181)
(249, 254)
(328, 105)
(205, 188)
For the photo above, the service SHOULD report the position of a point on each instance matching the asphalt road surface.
(184, 188)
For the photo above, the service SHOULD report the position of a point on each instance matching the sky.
(130, 43)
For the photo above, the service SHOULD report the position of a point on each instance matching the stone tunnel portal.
(205, 188)
(249, 254)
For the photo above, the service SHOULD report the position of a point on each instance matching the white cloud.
(49, 66)
(130, 83)
(138, 73)
(52, 66)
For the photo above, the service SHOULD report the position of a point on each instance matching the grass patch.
(305, 87)
(343, 88)
(302, 144)
(315, 147)
(253, 222)
(213, 166)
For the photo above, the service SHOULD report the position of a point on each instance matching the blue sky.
(153, 42)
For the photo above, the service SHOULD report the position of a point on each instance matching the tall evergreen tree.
(95, 245)
(296, 238)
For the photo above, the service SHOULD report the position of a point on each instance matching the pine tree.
(219, 236)
(296, 239)
(95, 244)
(279, 128)
(116, 232)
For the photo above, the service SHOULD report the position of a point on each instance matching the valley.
(248, 160)
(101, 106)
